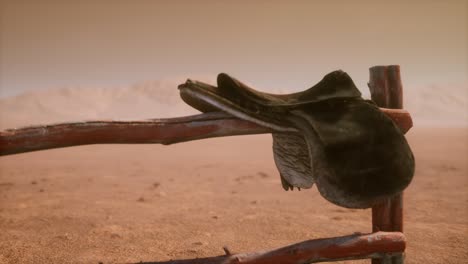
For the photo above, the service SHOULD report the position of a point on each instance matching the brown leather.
(334, 85)
(326, 135)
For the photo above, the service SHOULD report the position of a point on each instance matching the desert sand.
(153, 203)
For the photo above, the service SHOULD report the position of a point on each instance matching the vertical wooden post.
(387, 91)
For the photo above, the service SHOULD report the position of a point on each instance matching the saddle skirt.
(327, 135)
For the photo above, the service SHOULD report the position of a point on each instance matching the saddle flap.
(292, 158)
(359, 156)
(342, 122)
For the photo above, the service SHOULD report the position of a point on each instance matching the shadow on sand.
(209, 260)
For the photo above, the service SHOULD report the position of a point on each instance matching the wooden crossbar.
(383, 247)
(376, 245)
(161, 131)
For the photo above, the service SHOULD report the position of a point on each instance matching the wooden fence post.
(387, 91)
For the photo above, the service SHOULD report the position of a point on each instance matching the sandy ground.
(131, 203)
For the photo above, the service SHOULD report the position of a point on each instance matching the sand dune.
(429, 106)
(435, 105)
(145, 100)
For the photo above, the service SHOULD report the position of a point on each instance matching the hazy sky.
(279, 44)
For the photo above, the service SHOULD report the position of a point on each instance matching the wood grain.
(154, 131)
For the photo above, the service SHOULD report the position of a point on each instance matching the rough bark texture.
(328, 249)
(160, 131)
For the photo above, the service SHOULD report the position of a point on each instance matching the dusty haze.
(84, 60)
(273, 44)
(428, 105)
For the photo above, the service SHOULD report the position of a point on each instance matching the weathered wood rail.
(154, 131)
(383, 247)
(379, 244)
(387, 91)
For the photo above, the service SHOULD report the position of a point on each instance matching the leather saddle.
(327, 134)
